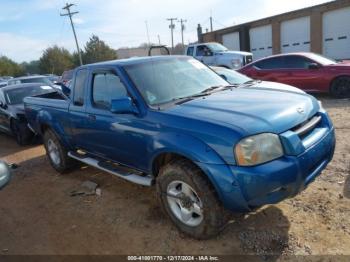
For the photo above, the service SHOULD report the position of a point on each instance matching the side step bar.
(119, 171)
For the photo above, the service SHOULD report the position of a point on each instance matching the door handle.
(91, 118)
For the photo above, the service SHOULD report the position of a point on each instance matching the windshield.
(166, 80)
(217, 47)
(16, 96)
(322, 59)
(232, 76)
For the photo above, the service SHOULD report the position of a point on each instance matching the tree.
(97, 50)
(9, 67)
(32, 67)
(55, 60)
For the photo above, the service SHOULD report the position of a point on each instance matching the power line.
(172, 27)
(70, 14)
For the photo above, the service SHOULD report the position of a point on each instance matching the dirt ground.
(38, 215)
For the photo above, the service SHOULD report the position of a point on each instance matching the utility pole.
(70, 14)
(211, 21)
(172, 27)
(182, 22)
(149, 41)
(159, 39)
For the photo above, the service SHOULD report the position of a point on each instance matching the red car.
(307, 71)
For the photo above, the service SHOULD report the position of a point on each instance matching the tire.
(56, 153)
(21, 132)
(340, 87)
(197, 213)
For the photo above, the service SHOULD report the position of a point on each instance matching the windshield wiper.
(212, 88)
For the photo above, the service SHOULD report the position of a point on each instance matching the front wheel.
(340, 87)
(189, 200)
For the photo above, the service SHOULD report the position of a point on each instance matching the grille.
(306, 127)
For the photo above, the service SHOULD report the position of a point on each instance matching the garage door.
(231, 41)
(261, 41)
(295, 35)
(336, 33)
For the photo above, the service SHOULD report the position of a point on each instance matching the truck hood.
(234, 53)
(277, 86)
(251, 110)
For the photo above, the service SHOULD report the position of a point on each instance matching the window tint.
(106, 87)
(297, 62)
(79, 87)
(190, 51)
(271, 63)
(201, 50)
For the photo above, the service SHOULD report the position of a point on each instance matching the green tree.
(9, 68)
(55, 60)
(32, 67)
(97, 50)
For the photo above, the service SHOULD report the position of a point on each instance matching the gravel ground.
(38, 215)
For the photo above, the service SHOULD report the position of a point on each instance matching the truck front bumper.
(242, 189)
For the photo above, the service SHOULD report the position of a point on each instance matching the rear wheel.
(189, 200)
(340, 87)
(56, 153)
(21, 132)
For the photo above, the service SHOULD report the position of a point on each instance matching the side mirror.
(123, 106)
(5, 174)
(314, 66)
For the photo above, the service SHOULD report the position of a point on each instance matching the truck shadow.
(8, 145)
(346, 191)
(263, 233)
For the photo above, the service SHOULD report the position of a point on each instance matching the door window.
(202, 50)
(106, 87)
(79, 87)
(297, 62)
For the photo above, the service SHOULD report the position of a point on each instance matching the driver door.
(119, 137)
(205, 55)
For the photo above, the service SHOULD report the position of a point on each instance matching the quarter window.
(106, 87)
(271, 63)
(190, 51)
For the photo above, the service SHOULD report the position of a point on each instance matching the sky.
(27, 27)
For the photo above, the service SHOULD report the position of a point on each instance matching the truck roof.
(133, 60)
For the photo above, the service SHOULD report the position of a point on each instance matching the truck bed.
(51, 106)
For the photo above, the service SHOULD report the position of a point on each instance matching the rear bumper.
(245, 188)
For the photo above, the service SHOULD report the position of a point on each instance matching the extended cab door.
(77, 109)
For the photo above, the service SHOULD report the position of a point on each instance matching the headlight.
(258, 149)
(236, 63)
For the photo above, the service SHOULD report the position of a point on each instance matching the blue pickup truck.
(170, 121)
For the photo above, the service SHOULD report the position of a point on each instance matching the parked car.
(235, 78)
(30, 79)
(206, 146)
(307, 71)
(12, 117)
(67, 77)
(3, 83)
(215, 54)
(5, 174)
(53, 78)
